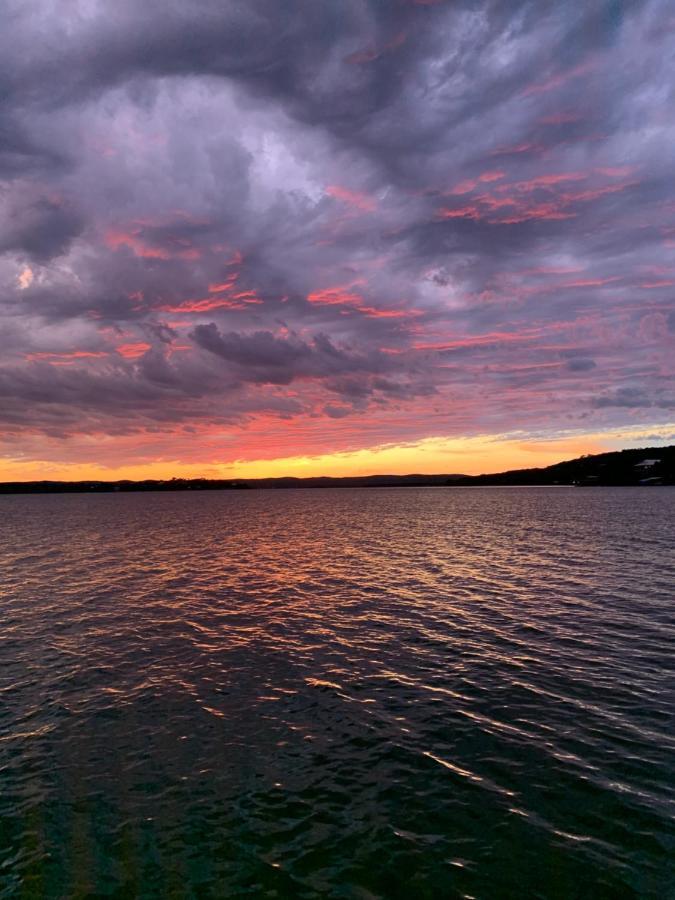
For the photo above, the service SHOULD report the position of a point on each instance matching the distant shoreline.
(10, 491)
(640, 467)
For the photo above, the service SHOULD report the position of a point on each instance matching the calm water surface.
(400, 693)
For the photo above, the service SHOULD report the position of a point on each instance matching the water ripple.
(349, 694)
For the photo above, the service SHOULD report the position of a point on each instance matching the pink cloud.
(140, 246)
(464, 212)
(616, 171)
(562, 118)
(492, 175)
(591, 282)
(206, 304)
(350, 300)
(525, 147)
(519, 206)
(223, 286)
(356, 200)
(544, 181)
(335, 296)
(546, 211)
(560, 78)
(369, 54)
(479, 340)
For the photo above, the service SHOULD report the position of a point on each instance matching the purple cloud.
(445, 217)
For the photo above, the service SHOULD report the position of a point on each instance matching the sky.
(302, 237)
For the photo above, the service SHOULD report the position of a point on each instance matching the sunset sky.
(333, 236)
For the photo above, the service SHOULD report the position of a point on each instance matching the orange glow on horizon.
(433, 455)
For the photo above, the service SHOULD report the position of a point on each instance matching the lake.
(396, 693)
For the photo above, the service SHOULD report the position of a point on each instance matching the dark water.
(351, 694)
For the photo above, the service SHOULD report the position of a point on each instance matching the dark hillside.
(647, 465)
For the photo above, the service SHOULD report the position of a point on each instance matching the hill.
(641, 466)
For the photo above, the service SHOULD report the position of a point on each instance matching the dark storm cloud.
(263, 358)
(580, 364)
(392, 203)
(122, 397)
(42, 229)
(21, 155)
(635, 397)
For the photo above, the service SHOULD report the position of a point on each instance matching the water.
(405, 693)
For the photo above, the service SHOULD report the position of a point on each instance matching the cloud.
(265, 358)
(635, 397)
(397, 215)
(41, 228)
(580, 364)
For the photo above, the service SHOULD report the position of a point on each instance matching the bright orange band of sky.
(471, 456)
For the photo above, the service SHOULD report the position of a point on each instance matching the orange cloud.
(66, 358)
(227, 299)
(206, 304)
(25, 278)
(132, 351)
(382, 313)
(247, 297)
(342, 296)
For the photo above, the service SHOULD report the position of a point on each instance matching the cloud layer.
(332, 226)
